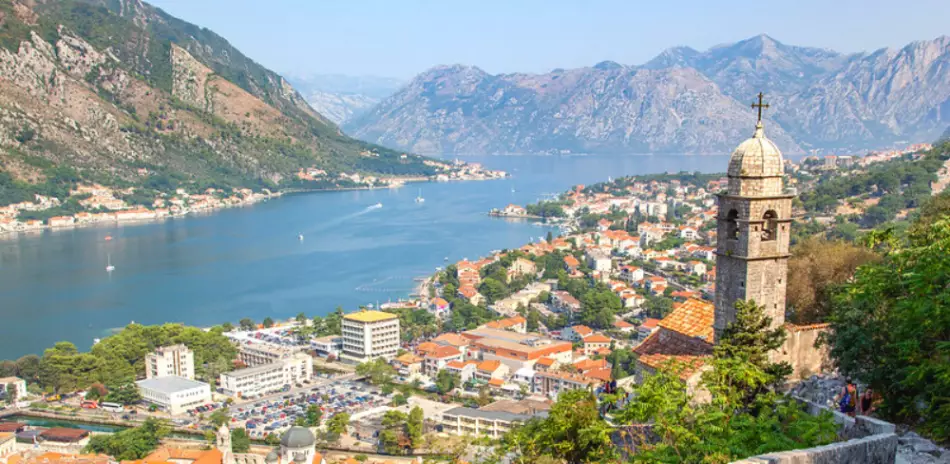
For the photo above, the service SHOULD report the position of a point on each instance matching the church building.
(754, 230)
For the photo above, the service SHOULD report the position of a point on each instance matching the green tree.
(598, 308)
(445, 381)
(268, 322)
(11, 393)
(890, 327)
(301, 318)
(240, 441)
(130, 444)
(338, 424)
(415, 426)
(378, 371)
(394, 425)
(750, 339)
(492, 289)
(219, 417)
(247, 324)
(312, 416)
(573, 431)
(124, 394)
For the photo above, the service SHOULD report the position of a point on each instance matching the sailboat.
(419, 198)
(300, 237)
(109, 266)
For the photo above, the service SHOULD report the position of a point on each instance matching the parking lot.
(277, 415)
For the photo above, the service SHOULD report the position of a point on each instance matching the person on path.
(866, 406)
(848, 398)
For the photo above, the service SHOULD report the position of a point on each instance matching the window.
(732, 225)
(770, 226)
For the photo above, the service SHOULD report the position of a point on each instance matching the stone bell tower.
(753, 231)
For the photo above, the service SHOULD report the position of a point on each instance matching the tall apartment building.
(174, 360)
(369, 335)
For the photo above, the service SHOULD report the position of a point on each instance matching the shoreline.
(8, 234)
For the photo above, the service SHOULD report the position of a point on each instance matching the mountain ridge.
(119, 93)
(821, 99)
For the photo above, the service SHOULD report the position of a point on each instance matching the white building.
(259, 380)
(174, 360)
(257, 353)
(19, 385)
(369, 335)
(598, 261)
(468, 421)
(329, 345)
(174, 394)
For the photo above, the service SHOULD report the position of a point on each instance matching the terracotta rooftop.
(425, 348)
(650, 323)
(686, 354)
(489, 366)
(583, 330)
(588, 364)
(693, 318)
(444, 352)
(453, 339)
(545, 361)
(597, 338)
(622, 324)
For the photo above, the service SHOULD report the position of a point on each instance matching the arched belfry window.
(769, 226)
(732, 225)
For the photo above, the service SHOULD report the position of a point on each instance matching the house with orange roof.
(595, 342)
(683, 342)
(545, 363)
(471, 294)
(439, 305)
(571, 263)
(585, 365)
(465, 370)
(624, 326)
(576, 333)
(631, 274)
(491, 369)
(648, 326)
(408, 364)
(426, 348)
(657, 290)
(437, 359)
(515, 324)
(551, 383)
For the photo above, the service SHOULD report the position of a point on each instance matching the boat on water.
(109, 266)
(377, 205)
(300, 237)
(420, 199)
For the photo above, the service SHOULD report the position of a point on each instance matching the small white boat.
(109, 266)
(377, 205)
(419, 198)
(300, 237)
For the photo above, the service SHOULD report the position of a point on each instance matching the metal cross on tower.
(760, 105)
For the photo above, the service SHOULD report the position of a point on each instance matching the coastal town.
(95, 204)
(486, 346)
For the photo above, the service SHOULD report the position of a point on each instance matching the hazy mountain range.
(683, 100)
(340, 97)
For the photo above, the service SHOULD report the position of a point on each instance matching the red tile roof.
(693, 318)
(597, 338)
(650, 323)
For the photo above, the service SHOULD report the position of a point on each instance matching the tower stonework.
(754, 225)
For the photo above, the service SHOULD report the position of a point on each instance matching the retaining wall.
(871, 441)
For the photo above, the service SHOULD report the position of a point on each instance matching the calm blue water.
(248, 262)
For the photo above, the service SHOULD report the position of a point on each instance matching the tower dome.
(756, 167)
(298, 437)
(272, 457)
(756, 157)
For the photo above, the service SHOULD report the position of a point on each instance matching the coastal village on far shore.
(105, 205)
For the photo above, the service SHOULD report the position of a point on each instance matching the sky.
(401, 38)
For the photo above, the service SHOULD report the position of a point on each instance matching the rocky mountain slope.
(341, 98)
(112, 89)
(681, 101)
